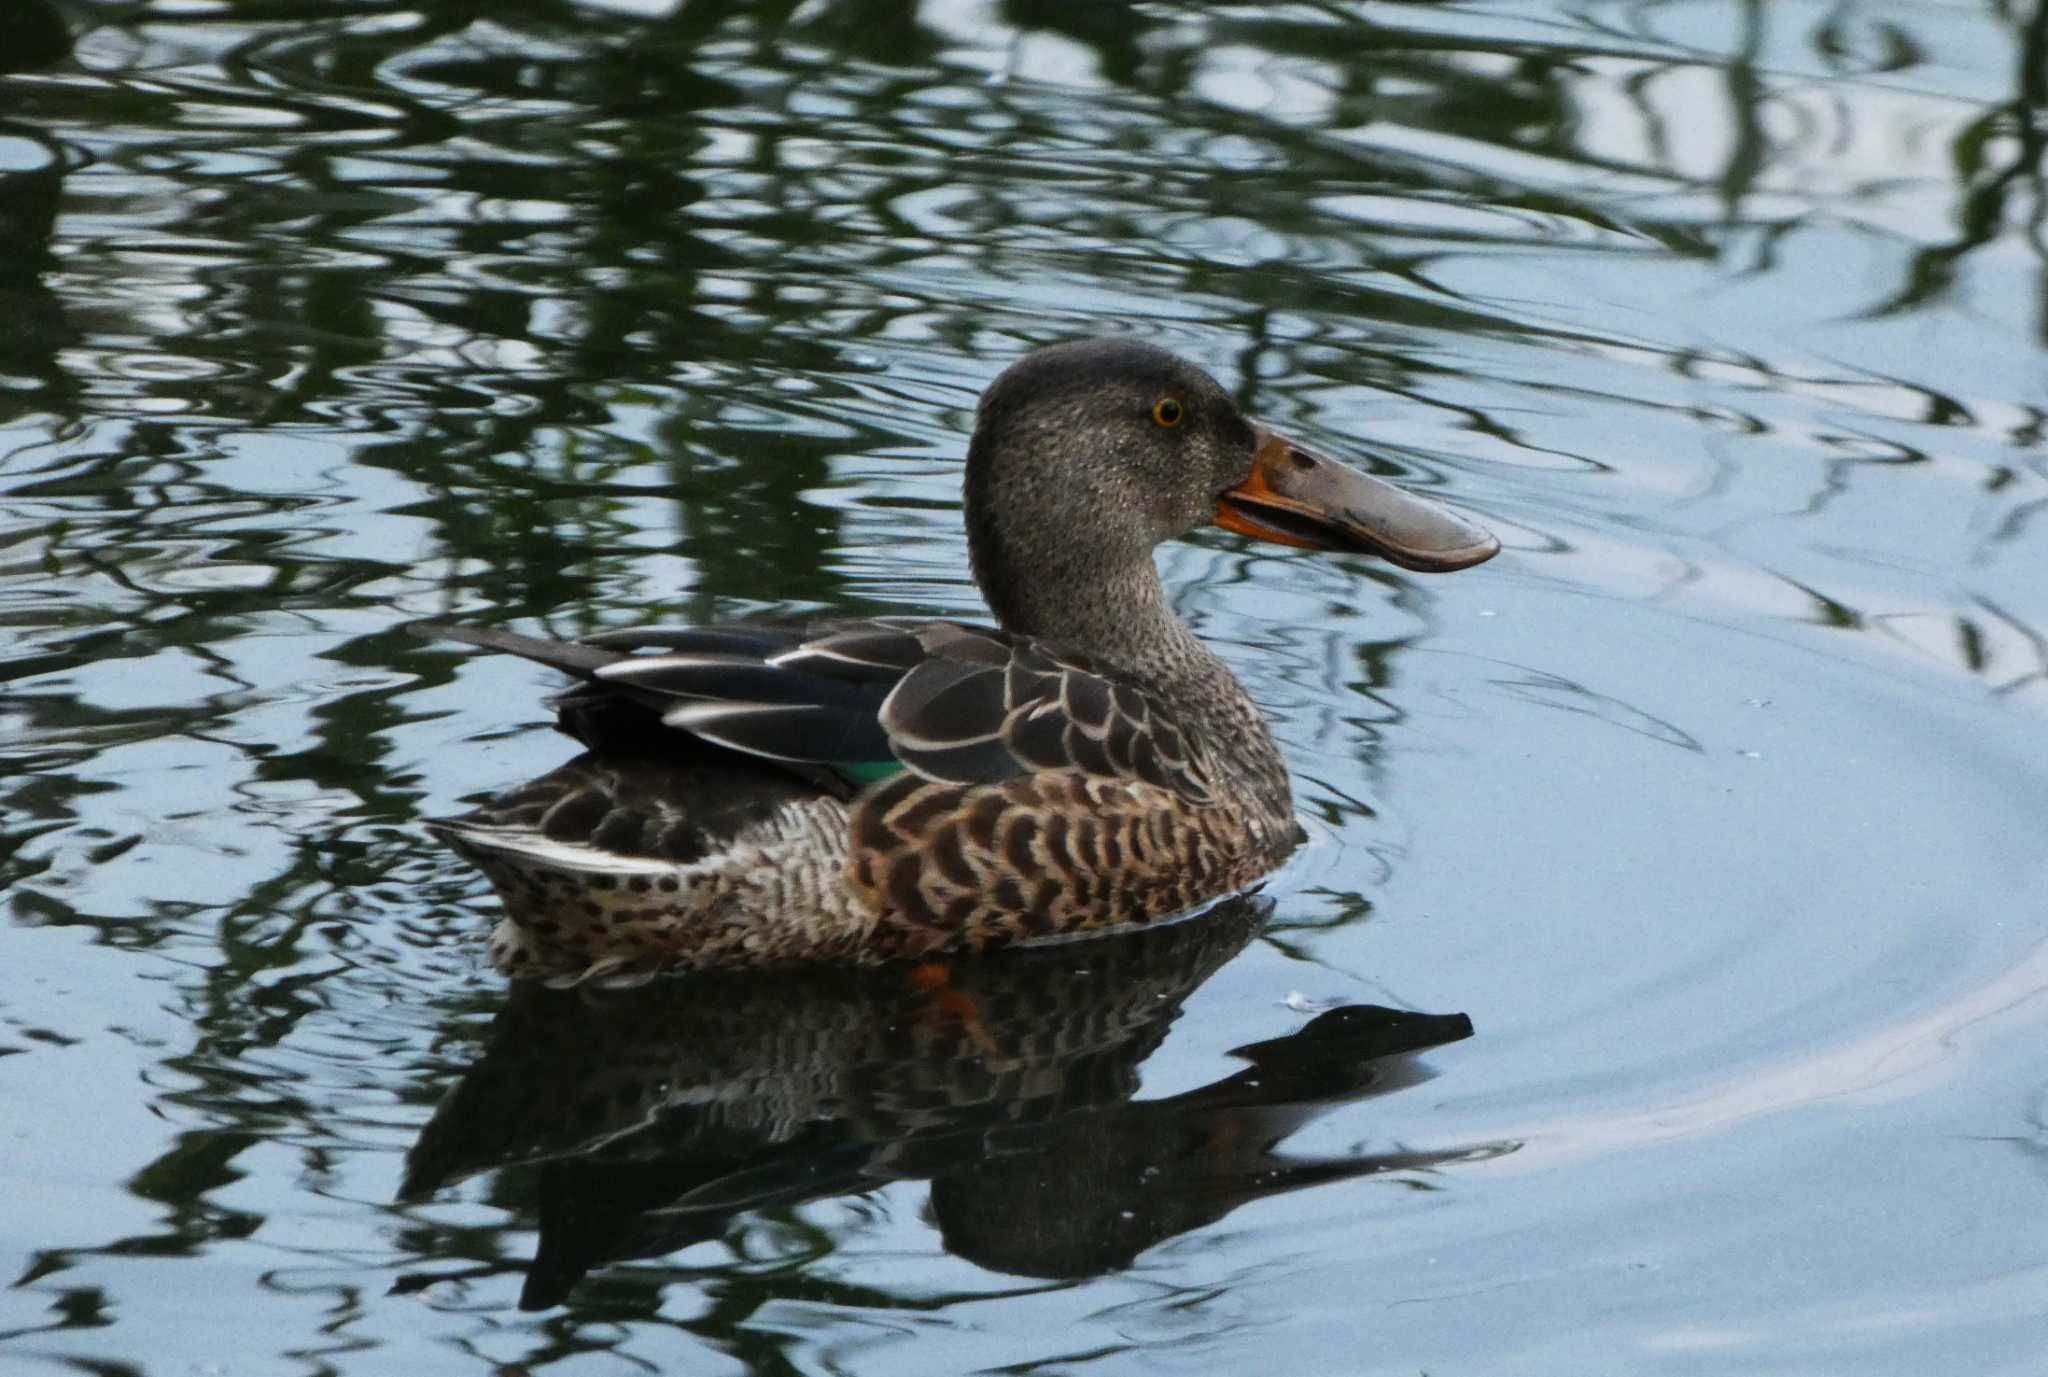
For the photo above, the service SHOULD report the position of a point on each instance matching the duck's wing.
(951, 703)
(807, 694)
(981, 707)
(954, 703)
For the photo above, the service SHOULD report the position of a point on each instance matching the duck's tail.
(571, 657)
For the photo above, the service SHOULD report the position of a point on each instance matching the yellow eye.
(1167, 412)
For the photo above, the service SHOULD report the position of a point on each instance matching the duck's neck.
(1119, 615)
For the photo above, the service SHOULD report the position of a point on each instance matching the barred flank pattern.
(975, 865)
(913, 866)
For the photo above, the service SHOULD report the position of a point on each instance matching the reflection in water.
(657, 1115)
(32, 35)
(31, 187)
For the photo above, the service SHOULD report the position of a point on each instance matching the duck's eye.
(1167, 412)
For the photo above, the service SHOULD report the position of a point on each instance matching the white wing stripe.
(643, 666)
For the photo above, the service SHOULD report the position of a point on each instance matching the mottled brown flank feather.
(974, 865)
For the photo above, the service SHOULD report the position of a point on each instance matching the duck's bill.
(1295, 497)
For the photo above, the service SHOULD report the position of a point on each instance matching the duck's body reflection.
(658, 1114)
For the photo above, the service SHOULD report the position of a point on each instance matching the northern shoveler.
(861, 790)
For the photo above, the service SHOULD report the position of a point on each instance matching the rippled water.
(1716, 802)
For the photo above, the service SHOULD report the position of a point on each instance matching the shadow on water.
(649, 1119)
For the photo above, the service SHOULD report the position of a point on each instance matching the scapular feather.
(1038, 738)
(803, 732)
(979, 762)
(968, 644)
(940, 704)
(748, 641)
(1087, 698)
(741, 681)
(855, 653)
(1087, 751)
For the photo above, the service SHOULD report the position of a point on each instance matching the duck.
(862, 790)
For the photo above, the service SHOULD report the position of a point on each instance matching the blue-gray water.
(1716, 801)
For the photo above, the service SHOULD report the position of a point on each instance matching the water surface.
(1715, 802)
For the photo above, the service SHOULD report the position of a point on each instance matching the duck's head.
(1087, 455)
